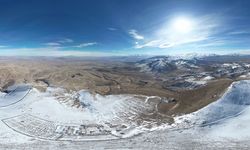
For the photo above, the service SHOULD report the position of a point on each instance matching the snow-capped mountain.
(161, 64)
(186, 64)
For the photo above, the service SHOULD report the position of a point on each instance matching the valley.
(105, 99)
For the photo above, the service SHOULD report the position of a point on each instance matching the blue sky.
(123, 27)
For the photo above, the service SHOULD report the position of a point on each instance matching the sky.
(123, 27)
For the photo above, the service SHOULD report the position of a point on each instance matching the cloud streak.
(3, 46)
(134, 34)
(52, 44)
(66, 40)
(59, 42)
(86, 44)
(111, 29)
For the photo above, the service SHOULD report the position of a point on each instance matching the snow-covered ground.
(13, 95)
(93, 116)
(247, 75)
(228, 117)
(224, 124)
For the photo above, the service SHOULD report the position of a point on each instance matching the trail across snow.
(13, 95)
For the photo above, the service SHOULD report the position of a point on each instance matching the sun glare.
(182, 25)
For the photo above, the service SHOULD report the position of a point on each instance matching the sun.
(183, 25)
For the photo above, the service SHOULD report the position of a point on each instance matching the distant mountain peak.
(161, 64)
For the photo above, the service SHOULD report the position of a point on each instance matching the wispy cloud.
(165, 37)
(239, 32)
(211, 43)
(52, 44)
(58, 43)
(111, 29)
(86, 44)
(134, 34)
(66, 40)
(3, 46)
